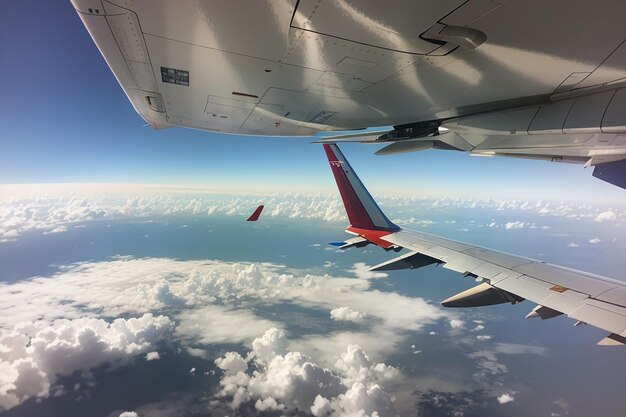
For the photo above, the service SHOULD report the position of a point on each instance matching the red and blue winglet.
(366, 218)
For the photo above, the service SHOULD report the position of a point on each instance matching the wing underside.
(295, 67)
(299, 67)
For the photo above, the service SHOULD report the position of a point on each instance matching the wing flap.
(613, 340)
(357, 242)
(409, 260)
(563, 303)
(599, 317)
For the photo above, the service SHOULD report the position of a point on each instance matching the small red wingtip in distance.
(255, 216)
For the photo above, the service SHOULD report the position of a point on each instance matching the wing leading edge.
(585, 297)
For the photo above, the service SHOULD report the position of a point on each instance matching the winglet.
(362, 210)
(255, 216)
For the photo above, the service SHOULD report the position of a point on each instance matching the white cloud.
(287, 380)
(594, 241)
(388, 326)
(505, 398)
(514, 225)
(347, 314)
(487, 360)
(356, 366)
(572, 245)
(129, 414)
(272, 343)
(218, 324)
(58, 229)
(33, 354)
(488, 363)
(153, 356)
(360, 270)
(517, 225)
(232, 363)
(606, 216)
(483, 337)
(457, 324)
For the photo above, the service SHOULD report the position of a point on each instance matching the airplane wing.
(585, 297)
(526, 78)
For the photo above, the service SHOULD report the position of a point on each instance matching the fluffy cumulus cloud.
(232, 363)
(606, 216)
(272, 378)
(457, 324)
(477, 328)
(33, 354)
(53, 326)
(347, 314)
(129, 414)
(505, 398)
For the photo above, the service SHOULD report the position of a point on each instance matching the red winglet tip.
(255, 216)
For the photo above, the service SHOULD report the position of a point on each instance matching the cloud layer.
(53, 326)
(56, 214)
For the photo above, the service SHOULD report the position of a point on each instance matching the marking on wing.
(558, 288)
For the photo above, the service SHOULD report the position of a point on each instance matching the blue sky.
(65, 119)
